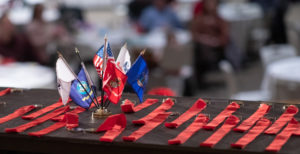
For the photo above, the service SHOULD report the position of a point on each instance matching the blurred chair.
(231, 84)
(272, 53)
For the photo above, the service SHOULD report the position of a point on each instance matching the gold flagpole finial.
(143, 52)
(105, 37)
(76, 50)
(59, 54)
(125, 45)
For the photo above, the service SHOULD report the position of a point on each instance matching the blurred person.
(13, 46)
(198, 7)
(210, 36)
(159, 15)
(41, 34)
(176, 65)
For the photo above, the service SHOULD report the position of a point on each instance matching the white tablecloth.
(282, 79)
(26, 75)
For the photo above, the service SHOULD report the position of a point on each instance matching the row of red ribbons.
(253, 126)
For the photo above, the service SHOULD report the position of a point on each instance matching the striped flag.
(99, 60)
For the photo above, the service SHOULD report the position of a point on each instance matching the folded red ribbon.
(282, 120)
(70, 120)
(17, 113)
(260, 126)
(166, 105)
(43, 110)
(128, 106)
(150, 125)
(40, 120)
(284, 136)
(231, 122)
(232, 107)
(248, 123)
(77, 110)
(200, 120)
(114, 126)
(198, 106)
(5, 91)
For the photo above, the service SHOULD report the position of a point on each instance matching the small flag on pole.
(138, 76)
(99, 59)
(113, 82)
(64, 79)
(82, 96)
(123, 60)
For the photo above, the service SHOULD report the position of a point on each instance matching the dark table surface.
(62, 141)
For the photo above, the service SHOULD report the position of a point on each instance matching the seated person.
(159, 15)
(210, 36)
(13, 46)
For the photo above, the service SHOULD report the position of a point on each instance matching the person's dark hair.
(37, 12)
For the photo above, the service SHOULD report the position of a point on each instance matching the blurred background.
(239, 49)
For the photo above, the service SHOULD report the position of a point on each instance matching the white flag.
(123, 60)
(64, 79)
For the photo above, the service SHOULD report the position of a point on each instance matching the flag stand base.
(101, 113)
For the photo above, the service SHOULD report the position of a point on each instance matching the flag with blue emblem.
(138, 76)
(99, 59)
(78, 93)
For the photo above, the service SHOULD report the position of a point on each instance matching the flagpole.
(103, 65)
(87, 73)
(61, 56)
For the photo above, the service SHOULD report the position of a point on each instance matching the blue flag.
(78, 94)
(138, 76)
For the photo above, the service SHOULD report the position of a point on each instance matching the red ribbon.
(62, 122)
(232, 107)
(77, 110)
(5, 91)
(17, 113)
(248, 123)
(40, 120)
(150, 125)
(43, 110)
(260, 126)
(114, 126)
(198, 106)
(283, 136)
(282, 120)
(166, 105)
(221, 132)
(200, 120)
(128, 106)
(49, 129)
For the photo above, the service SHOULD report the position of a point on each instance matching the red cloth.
(232, 107)
(282, 120)
(198, 106)
(113, 82)
(200, 120)
(128, 106)
(166, 105)
(114, 126)
(260, 126)
(5, 91)
(150, 125)
(161, 91)
(248, 123)
(284, 136)
(221, 132)
(35, 122)
(71, 120)
(43, 110)
(17, 113)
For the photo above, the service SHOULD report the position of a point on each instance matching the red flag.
(113, 82)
